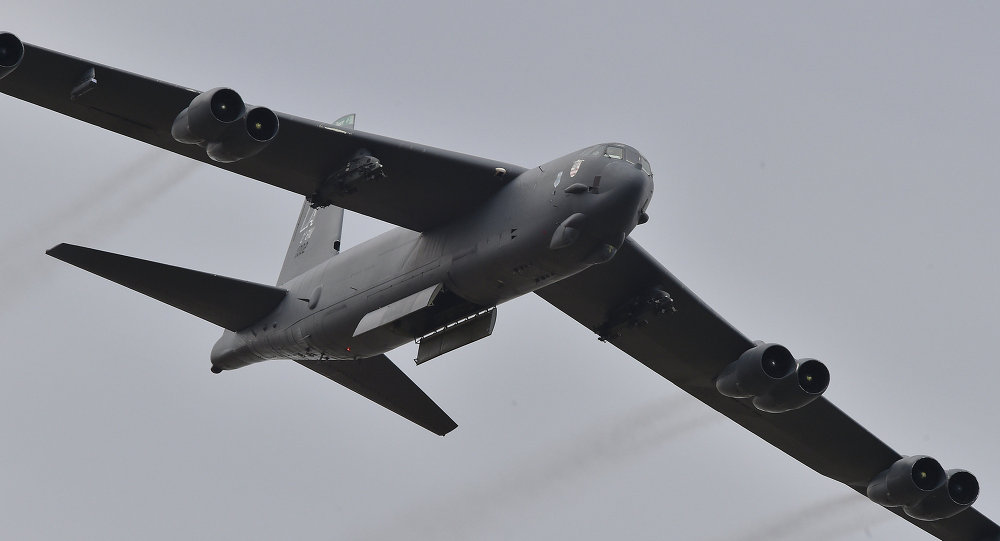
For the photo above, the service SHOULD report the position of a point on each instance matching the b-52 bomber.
(473, 233)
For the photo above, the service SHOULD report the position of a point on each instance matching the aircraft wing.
(692, 345)
(422, 187)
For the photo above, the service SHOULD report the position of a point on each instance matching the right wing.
(692, 345)
(381, 381)
(423, 187)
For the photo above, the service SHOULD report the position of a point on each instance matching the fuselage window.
(646, 167)
(615, 152)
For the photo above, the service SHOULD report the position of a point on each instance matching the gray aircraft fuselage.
(546, 224)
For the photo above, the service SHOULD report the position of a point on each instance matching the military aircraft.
(473, 233)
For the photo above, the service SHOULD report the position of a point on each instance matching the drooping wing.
(692, 345)
(424, 187)
(381, 381)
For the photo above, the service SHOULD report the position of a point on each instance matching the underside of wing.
(634, 303)
(407, 184)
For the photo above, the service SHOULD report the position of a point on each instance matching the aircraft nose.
(619, 202)
(629, 189)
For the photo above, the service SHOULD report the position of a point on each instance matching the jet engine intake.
(923, 489)
(756, 371)
(809, 381)
(244, 139)
(207, 116)
(219, 120)
(774, 379)
(11, 53)
(957, 494)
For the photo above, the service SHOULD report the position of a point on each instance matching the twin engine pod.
(219, 121)
(923, 489)
(774, 379)
(11, 53)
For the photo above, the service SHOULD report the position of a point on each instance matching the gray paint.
(852, 146)
(495, 253)
(480, 252)
(315, 238)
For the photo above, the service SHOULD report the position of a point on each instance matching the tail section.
(381, 381)
(227, 302)
(316, 238)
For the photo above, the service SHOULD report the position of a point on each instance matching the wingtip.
(63, 246)
(56, 250)
(444, 431)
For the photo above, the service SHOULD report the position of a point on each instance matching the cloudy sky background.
(826, 178)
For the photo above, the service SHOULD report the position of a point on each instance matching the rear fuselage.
(548, 223)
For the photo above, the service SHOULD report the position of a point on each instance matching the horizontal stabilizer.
(381, 381)
(227, 302)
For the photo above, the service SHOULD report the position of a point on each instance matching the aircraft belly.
(332, 332)
(498, 269)
(565, 221)
(500, 254)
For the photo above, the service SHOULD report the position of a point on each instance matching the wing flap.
(692, 345)
(423, 187)
(381, 381)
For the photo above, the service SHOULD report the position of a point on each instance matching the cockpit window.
(619, 151)
(631, 156)
(646, 167)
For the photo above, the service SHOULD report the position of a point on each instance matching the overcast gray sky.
(827, 177)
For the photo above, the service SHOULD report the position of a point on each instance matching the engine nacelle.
(908, 481)
(774, 379)
(756, 372)
(246, 137)
(208, 116)
(923, 489)
(11, 53)
(957, 494)
(809, 381)
(219, 120)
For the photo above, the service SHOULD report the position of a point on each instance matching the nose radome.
(618, 204)
(629, 187)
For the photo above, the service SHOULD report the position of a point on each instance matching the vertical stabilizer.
(315, 239)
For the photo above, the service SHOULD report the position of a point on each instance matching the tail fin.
(227, 302)
(316, 238)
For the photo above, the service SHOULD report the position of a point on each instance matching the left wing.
(410, 185)
(692, 345)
